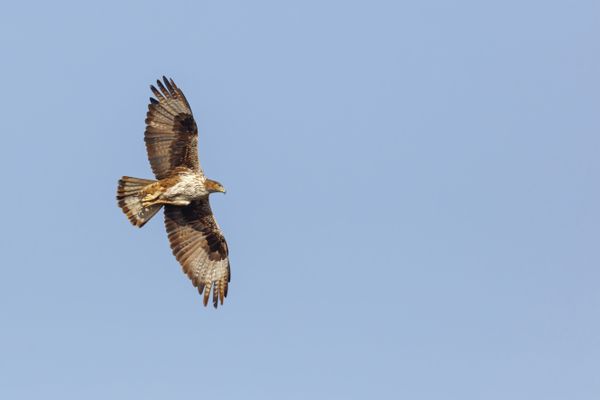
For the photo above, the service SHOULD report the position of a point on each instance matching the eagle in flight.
(197, 242)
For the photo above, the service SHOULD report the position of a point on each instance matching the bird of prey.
(180, 187)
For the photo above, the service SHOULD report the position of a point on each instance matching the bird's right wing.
(171, 133)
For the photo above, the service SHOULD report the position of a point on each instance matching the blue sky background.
(412, 207)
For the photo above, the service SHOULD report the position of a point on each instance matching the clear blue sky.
(412, 206)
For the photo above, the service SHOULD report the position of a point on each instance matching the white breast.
(189, 187)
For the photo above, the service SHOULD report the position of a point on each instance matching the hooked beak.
(214, 187)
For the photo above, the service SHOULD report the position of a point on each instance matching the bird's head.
(214, 186)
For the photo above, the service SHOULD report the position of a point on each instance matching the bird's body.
(179, 189)
(182, 188)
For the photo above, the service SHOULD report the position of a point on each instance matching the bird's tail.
(129, 196)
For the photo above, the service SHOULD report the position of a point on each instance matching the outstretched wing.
(171, 133)
(200, 247)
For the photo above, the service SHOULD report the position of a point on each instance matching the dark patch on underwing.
(185, 123)
(214, 241)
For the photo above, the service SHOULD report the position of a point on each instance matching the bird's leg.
(173, 202)
(153, 200)
(150, 199)
(161, 193)
(151, 194)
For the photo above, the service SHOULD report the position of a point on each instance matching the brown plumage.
(197, 242)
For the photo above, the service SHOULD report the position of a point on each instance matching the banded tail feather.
(129, 197)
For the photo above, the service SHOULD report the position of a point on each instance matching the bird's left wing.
(171, 134)
(200, 247)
